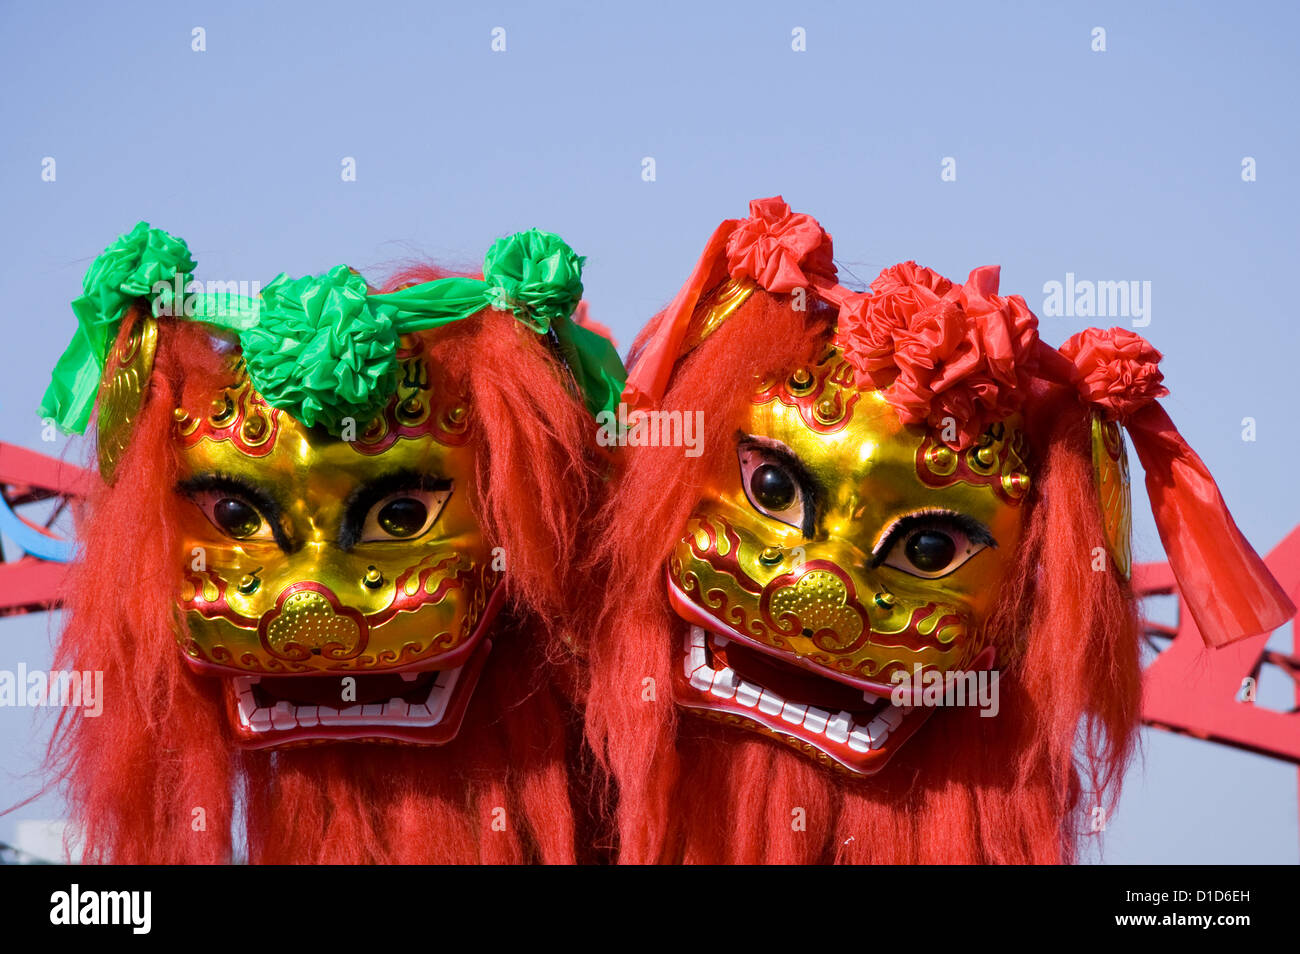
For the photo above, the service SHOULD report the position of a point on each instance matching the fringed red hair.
(136, 775)
(1016, 788)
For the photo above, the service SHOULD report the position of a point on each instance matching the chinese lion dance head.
(324, 572)
(896, 492)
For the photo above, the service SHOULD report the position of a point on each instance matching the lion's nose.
(310, 621)
(819, 599)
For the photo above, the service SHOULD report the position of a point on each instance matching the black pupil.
(403, 517)
(772, 487)
(930, 550)
(236, 517)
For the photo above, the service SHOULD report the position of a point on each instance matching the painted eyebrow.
(267, 505)
(810, 488)
(371, 492)
(975, 531)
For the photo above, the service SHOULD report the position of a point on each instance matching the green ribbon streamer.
(320, 347)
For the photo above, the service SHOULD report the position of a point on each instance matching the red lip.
(257, 726)
(268, 709)
(858, 742)
(732, 678)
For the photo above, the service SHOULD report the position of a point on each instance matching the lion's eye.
(933, 545)
(405, 515)
(236, 517)
(233, 515)
(930, 551)
(771, 486)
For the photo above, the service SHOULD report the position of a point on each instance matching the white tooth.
(747, 693)
(350, 715)
(837, 730)
(245, 707)
(689, 665)
(721, 642)
(372, 710)
(815, 720)
(702, 677)
(875, 703)
(396, 707)
(418, 713)
(437, 707)
(308, 716)
(282, 716)
(793, 714)
(447, 677)
(860, 738)
(260, 720)
(892, 717)
(696, 651)
(770, 702)
(879, 732)
(724, 683)
(409, 676)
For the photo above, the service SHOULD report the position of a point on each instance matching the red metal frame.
(30, 584)
(1196, 691)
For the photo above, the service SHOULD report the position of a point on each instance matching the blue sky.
(1123, 165)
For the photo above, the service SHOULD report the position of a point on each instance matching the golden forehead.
(419, 424)
(871, 466)
(290, 450)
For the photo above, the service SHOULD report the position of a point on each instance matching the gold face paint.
(843, 552)
(342, 587)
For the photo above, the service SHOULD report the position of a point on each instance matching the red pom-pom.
(953, 358)
(1118, 370)
(868, 322)
(775, 247)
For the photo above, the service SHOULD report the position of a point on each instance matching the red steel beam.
(1195, 690)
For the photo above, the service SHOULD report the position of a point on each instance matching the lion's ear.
(718, 307)
(1111, 477)
(122, 387)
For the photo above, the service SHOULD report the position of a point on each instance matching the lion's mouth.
(857, 729)
(421, 707)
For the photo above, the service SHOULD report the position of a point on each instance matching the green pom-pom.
(535, 276)
(320, 351)
(127, 269)
(133, 265)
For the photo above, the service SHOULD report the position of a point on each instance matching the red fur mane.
(1016, 788)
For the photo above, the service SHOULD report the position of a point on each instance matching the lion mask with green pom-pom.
(335, 474)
